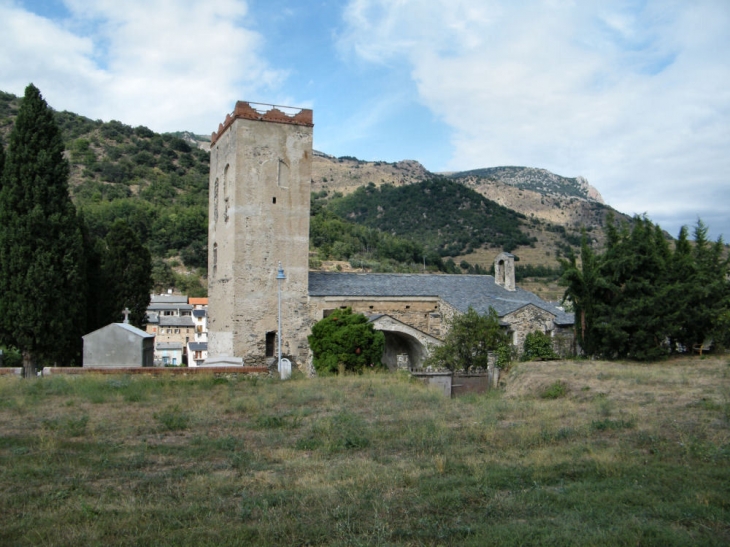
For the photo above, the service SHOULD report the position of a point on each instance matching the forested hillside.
(446, 217)
(158, 183)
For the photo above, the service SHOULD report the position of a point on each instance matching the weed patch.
(69, 426)
(173, 419)
(274, 421)
(607, 424)
(556, 390)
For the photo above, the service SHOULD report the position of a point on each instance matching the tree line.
(58, 280)
(644, 299)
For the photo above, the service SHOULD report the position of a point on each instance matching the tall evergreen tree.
(682, 279)
(631, 319)
(42, 285)
(709, 289)
(621, 297)
(640, 300)
(582, 282)
(94, 248)
(127, 275)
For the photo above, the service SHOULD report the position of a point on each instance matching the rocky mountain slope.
(536, 193)
(529, 178)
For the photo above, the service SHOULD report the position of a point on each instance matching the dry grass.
(617, 453)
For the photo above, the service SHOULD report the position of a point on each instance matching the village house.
(177, 322)
(197, 349)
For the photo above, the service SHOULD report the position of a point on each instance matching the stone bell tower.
(504, 271)
(260, 184)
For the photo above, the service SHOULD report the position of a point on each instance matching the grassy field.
(566, 453)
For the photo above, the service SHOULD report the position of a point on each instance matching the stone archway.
(405, 347)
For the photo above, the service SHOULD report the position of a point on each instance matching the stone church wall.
(528, 319)
(423, 314)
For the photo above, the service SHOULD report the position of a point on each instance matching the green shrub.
(346, 338)
(504, 352)
(11, 358)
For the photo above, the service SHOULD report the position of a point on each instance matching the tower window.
(215, 201)
(225, 182)
(270, 343)
(273, 201)
(283, 174)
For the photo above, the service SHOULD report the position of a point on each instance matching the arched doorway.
(405, 347)
(402, 351)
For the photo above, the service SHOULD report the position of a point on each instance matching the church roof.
(461, 291)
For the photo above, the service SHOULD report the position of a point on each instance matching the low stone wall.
(18, 371)
(156, 371)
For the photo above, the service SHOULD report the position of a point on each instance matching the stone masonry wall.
(423, 313)
(528, 319)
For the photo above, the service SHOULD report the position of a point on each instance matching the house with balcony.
(180, 325)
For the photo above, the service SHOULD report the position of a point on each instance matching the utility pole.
(279, 277)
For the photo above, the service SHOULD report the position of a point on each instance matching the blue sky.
(632, 95)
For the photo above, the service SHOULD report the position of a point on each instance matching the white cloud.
(632, 95)
(40, 51)
(167, 64)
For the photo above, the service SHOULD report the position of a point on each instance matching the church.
(259, 209)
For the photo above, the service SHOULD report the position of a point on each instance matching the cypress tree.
(709, 288)
(94, 248)
(632, 318)
(42, 285)
(682, 281)
(623, 298)
(127, 275)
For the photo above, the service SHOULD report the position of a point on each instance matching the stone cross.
(126, 313)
